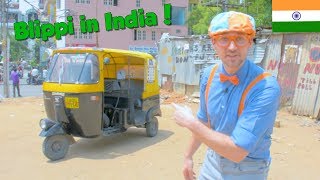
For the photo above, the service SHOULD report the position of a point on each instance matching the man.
(44, 73)
(20, 70)
(15, 82)
(34, 75)
(235, 118)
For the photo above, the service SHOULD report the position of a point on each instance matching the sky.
(24, 6)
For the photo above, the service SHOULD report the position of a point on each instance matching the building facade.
(12, 14)
(139, 38)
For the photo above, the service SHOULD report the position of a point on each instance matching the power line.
(33, 6)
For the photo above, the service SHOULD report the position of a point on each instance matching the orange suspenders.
(244, 94)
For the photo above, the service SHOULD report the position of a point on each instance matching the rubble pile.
(167, 97)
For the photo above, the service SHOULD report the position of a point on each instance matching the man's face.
(232, 48)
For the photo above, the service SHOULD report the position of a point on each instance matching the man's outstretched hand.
(183, 115)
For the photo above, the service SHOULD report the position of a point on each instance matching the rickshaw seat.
(114, 86)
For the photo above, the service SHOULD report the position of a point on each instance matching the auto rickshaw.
(91, 92)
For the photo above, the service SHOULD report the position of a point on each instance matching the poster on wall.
(151, 71)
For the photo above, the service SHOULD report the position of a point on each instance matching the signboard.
(146, 49)
(151, 71)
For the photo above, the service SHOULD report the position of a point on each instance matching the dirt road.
(132, 155)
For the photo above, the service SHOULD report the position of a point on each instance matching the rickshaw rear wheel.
(152, 127)
(55, 147)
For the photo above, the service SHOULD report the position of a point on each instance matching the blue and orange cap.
(232, 22)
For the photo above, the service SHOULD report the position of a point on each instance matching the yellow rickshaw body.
(93, 91)
(134, 62)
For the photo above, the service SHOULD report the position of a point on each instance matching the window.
(80, 34)
(153, 35)
(74, 69)
(178, 15)
(90, 36)
(139, 35)
(135, 35)
(137, 3)
(85, 36)
(32, 16)
(83, 1)
(144, 35)
(163, 2)
(110, 2)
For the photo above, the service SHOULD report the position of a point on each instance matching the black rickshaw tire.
(152, 127)
(55, 147)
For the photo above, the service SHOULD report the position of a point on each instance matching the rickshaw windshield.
(74, 69)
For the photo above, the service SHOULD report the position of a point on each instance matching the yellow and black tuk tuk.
(90, 92)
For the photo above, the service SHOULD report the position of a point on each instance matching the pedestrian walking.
(15, 82)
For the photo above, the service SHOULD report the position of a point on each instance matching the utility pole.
(225, 5)
(4, 20)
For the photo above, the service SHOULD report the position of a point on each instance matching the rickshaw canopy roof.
(117, 56)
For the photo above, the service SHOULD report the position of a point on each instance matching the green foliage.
(18, 49)
(200, 16)
(34, 63)
(261, 10)
(36, 48)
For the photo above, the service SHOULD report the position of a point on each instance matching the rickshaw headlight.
(45, 124)
(42, 124)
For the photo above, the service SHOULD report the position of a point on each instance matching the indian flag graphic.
(295, 15)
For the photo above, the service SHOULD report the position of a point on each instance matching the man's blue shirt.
(252, 130)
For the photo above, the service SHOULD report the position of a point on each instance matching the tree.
(261, 10)
(18, 49)
(36, 48)
(200, 16)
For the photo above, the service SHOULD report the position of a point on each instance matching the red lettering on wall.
(317, 70)
(308, 68)
(272, 65)
(312, 68)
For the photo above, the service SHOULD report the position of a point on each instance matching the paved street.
(25, 89)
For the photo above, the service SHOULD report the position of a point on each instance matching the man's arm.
(188, 172)
(193, 146)
(220, 143)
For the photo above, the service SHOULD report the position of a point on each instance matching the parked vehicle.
(91, 92)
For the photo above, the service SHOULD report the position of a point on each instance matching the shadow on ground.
(134, 139)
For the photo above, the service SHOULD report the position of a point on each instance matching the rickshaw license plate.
(71, 102)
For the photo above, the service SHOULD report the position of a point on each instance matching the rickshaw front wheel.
(152, 127)
(55, 147)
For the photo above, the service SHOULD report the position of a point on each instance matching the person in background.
(15, 82)
(238, 107)
(34, 75)
(44, 73)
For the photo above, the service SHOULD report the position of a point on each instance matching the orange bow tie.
(233, 79)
